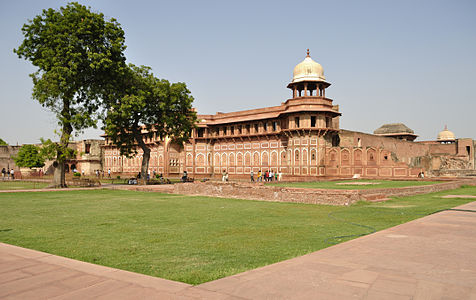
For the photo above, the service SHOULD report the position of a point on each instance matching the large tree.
(79, 55)
(3, 143)
(148, 107)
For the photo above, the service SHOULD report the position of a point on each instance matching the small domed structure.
(396, 130)
(445, 136)
(308, 79)
(308, 70)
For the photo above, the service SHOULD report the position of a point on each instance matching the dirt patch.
(358, 183)
(459, 196)
(394, 206)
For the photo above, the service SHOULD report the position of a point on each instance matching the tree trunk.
(59, 180)
(145, 164)
(145, 156)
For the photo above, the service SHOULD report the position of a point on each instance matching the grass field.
(192, 239)
(342, 184)
(21, 185)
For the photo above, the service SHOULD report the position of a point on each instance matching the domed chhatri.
(308, 79)
(308, 70)
(396, 130)
(446, 136)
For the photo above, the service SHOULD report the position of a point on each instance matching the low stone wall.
(268, 193)
(422, 189)
(302, 195)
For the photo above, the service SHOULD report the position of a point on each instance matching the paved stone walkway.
(430, 258)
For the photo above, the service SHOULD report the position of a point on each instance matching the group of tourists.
(99, 173)
(8, 174)
(268, 175)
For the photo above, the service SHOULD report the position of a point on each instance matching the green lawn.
(21, 185)
(377, 184)
(192, 239)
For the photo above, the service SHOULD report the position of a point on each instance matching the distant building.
(300, 137)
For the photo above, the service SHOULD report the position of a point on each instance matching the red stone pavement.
(430, 258)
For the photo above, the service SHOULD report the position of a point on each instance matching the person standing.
(12, 173)
(280, 175)
(8, 173)
(259, 175)
(5, 171)
(252, 176)
(109, 173)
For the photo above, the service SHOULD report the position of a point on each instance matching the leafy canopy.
(29, 156)
(3, 143)
(148, 107)
(78, 55)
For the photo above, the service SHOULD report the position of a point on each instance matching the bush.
(77, 174)
(118, 177)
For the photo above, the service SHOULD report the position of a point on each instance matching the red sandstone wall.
(309, 196)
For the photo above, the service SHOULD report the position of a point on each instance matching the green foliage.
(3, 143)
(79, 56)
(189, 238)
(77, 174)
(29, 156)
(118, 177)
(59, 151)
(148, 107)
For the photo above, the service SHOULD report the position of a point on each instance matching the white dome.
(446, 135)
(308, 70)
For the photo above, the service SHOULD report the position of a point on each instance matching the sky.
(411, 62)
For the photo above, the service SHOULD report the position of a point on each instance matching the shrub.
(77, 174)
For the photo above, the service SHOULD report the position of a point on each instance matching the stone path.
(430, 258)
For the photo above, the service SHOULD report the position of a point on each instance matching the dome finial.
(308, 53)
(446, 127)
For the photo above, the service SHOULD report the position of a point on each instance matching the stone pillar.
(305, 89)
(294, 91)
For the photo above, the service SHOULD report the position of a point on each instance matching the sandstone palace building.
(300, 137)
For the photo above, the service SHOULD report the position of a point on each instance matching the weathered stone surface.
(261, 192)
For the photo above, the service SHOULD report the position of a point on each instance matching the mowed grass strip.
(347, 184)
(192, 239)
(22, 185)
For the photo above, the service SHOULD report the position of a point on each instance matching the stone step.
(376, 197)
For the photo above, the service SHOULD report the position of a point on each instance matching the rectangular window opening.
(313, 121)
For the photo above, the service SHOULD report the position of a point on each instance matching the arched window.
(239, 159)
